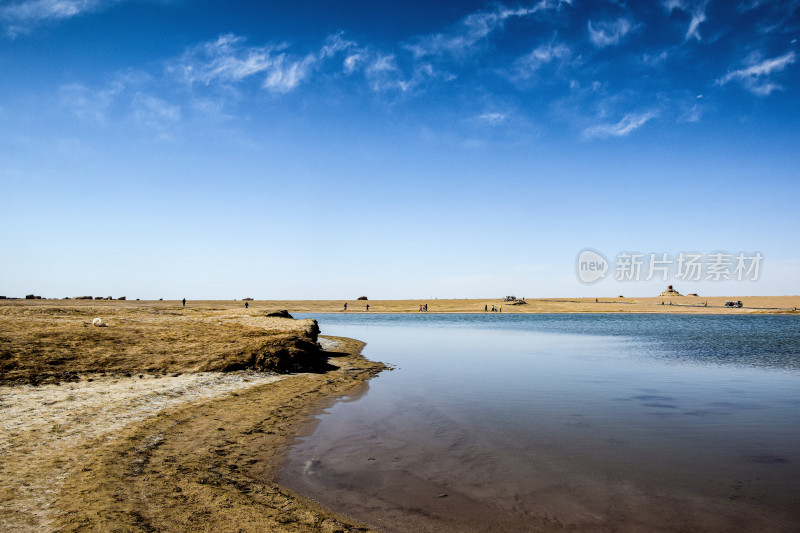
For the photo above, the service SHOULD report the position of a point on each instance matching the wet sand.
(438, 482)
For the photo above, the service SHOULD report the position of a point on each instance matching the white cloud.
(628, 124)
(229, 60)
(150, 108)
(352, 62)
(493, 118)
(89, 105)
(526, 66)
(691, 114)
(384, 75)
(155, 114)
(23, 16)
(475, 28)
(698, 12)
(380, 70)
(750, 5)
(669, 5)
(755, 77)
(609, 33)
(226, 60)
(655, 60)
(698, 17)
(284, 74)
(335, 44)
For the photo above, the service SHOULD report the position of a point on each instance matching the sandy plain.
(679, 304)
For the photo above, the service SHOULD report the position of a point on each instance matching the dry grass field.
(54, 340)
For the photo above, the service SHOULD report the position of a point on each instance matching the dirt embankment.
(55, 341)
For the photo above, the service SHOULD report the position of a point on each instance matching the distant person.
(246, 305)
(595, 300)
(184, 302)
(367, 307)
(345, 306)
(501, 309)
(485, 308)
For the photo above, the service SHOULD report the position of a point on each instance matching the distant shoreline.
(657, 305)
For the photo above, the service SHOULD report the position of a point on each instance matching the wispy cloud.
(155, 115)
(609, 32)
(23, 16)
(756, 76)
(384, 75)
(226, 59)
(629, 123)
(475, 29)
(492, 118)
(90, 105)
(690, 114)
(229, 59)
(698, 17)
(655, 60)
(669, 5)
(697, 11)
(526, 67)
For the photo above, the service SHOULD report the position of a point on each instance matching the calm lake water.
(554, 422)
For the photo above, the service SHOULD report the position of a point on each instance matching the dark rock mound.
(295, 352)
(362, 298)
(279, 314)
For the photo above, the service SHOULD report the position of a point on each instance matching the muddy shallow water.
(535, 422)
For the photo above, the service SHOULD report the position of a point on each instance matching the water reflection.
(526, 419)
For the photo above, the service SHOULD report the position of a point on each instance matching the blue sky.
(171, 148)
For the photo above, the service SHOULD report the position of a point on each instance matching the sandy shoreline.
(129, 433)
(211, 465)
(46, 429)
(192, 452)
